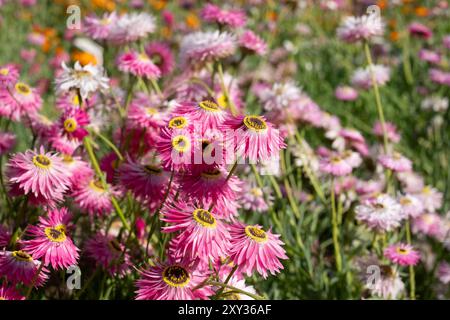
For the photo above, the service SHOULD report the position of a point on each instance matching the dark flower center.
(176, 276)
(255, 123)
(256, 233)
(204, 218)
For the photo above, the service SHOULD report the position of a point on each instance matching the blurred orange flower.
(421, 11)
(158, 4)
(192, 21)
(83, 57)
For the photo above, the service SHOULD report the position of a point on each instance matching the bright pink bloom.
(201, 233)
(429, 56)
(402, 254)
(10, 293)
(109, 254)
(335, 165)
(395, 162)
(72, 124)
(232, 18)
(172, 280)
(254, 249)
(9, 74)
(419, 30)
(346, 93)
(252, 43)
(161, 55)
(18, 101)
(429, 224)
(143, 113)
(175, 147)
(19, 266)
(146, 181)
(7, 142)
(138, 64)
(253, 137)
(51, 241)
(391, 131)
(207, 114)
(41, 175)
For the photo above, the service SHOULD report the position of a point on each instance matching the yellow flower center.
(22, 88)
(70, 125)
(256, 233)
(178, 123)
(76, 100)
(22, 256)
(405, 201)
(67, 158)
(402, 251)
(255, 123)
(204, 218)
(209, 105)
(143, 57)
(181, 143)
(42, 161)
(81, 74)
(151, 111)
(257, 192)
(96, 185)
(4, 71)
(222, 101)
(56, 234)
(176, 276)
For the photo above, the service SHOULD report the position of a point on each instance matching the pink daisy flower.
(131, 27)
(201, 47)
(146, 181)
(429, 224)
(231, 18)
(78, 168)
(99, 28)
(109, 254)
(138, 64)
(354, 29)
(90, 196)
(252, 43)
(254, 249)
(380, 214)
(10, 293)
(439, 76)
(175, 147)
(402, 254)
(335, 165)
(201, 233)
(431, 198)
(161, 55)
(207, 114)
(19, 266)
(142, 113)
(346, 93)
(395, 162)
(411, 205)
(429, 56)
(419, 30)
(391, 131)
(72, 123)
(40, 175)
(7, 142)
(63, 144)
(362, 77)
(172, 280)
(210, 185)
(253, 137)
(51, 242)
(252, 198)
(9, 74)
(18, 101)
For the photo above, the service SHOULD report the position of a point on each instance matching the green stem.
(226, 286)
(225, 90)
(335, 230)
(377, 96)
(110, 144)
(89, 149)
(412, 278)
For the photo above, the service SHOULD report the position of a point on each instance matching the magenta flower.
(200, 232)
(9, 74)
(254, 249)
(395, 162)
(206, 114)
(7, 142)
(109, 254)
(138, 64)
(172, 280)
(10, 293)
(175, 147)
(18, 101)
(335, 165)
(72, 124)
(40, 175)
(402, 254)
(99, 28)
(51, 242)
(231, 18)
(253, 137)
(391, 131)
(419, 30)
(346, 93)
(161, 55)
(19, 266)
(252, 43)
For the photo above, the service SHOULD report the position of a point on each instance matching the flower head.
(9, 74)
(232, 18)
(51, 241)
(353, 29)
(161, 55)
(402, 254)
(18, 101)
(19, 266)
(252, 43)
(138, 64)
